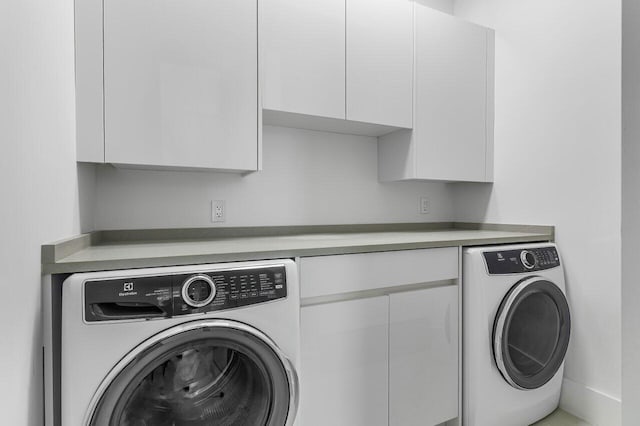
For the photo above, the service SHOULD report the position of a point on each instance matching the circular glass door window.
(531, 333)
(208, 375)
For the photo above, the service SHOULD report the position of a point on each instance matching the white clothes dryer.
(516, 328)
(188, 345)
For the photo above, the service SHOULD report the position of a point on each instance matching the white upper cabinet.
(337, 60)
(380, 61)
(303, 44)
(452, 137)
(180, 83)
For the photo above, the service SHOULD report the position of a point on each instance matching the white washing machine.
(516, 328)
(189, 345)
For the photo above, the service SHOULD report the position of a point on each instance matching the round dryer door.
(210, 372)
(531, 333)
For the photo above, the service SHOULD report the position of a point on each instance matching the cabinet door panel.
(180, 83)
(344, 377)
(423, 356)
(451, 97)
(303, 44)
(380, 61)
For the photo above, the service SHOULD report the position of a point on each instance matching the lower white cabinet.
(344, 377)
(423, 356)
(385, 360)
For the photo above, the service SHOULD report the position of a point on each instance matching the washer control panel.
(217, 290)
(521, 260)
(182, 294)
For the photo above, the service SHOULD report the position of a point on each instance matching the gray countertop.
(108, 250)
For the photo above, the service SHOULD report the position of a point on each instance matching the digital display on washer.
(521, 260)
(230, 289)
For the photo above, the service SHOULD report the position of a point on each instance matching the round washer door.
(531, 333)
(199, 373)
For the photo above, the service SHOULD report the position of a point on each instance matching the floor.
(561, 418)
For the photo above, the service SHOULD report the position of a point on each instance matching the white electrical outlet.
(424, 205)
(218, 211)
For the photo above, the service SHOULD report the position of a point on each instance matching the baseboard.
(594, 407)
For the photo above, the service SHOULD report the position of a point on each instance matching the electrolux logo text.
(127, 290)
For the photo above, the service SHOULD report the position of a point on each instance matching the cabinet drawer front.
(326, 275)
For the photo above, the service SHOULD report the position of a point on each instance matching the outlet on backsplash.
(218, 211)
(424, 205)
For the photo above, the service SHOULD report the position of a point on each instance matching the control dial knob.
(528, 259)
(198, 290)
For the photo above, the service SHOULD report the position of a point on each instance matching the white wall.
(630, 212)
(309, 178)
(557, 161)
(38, 184)
(442, 5)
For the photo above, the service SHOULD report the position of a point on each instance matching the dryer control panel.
(521, 261)
(165, 296)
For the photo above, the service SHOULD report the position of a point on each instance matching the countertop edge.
(54, 253)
